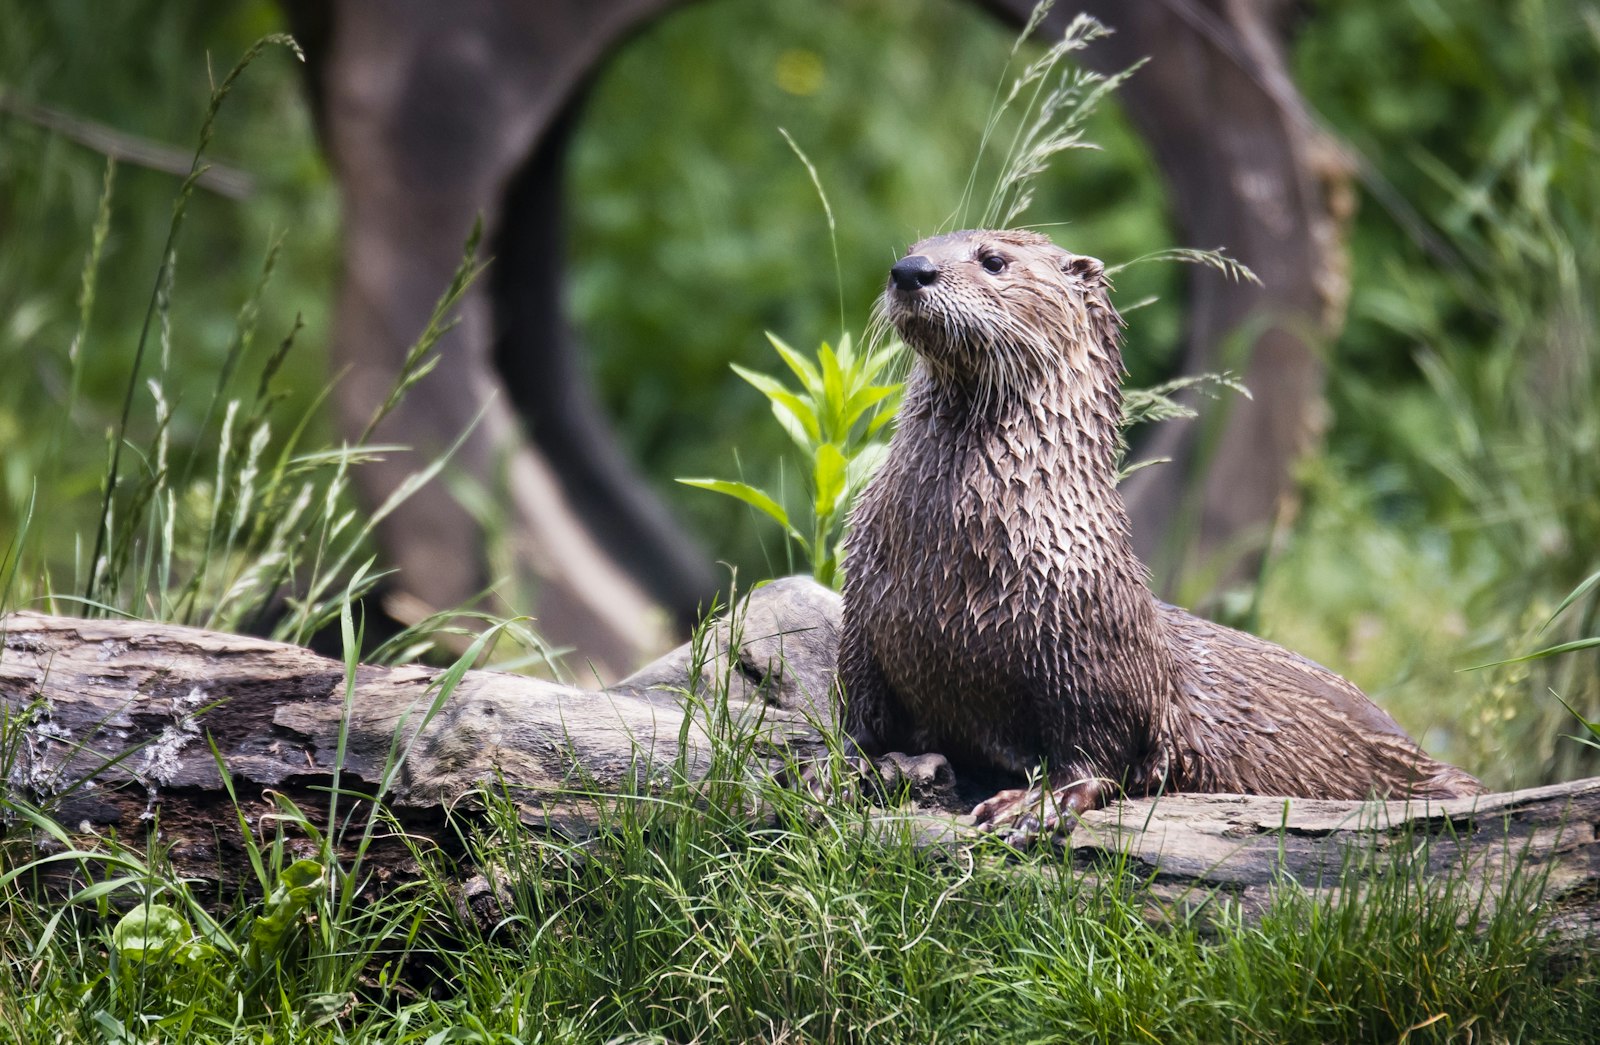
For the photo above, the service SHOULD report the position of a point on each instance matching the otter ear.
(1089, 271)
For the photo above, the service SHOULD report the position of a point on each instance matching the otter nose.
(913, 273)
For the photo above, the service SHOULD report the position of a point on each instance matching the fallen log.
(116, 727)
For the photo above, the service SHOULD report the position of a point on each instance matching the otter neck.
(1053, 444)
(1074, 419)
(1031, 478)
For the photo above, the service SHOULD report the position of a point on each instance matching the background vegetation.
(1459, 497)
(1456, 505)
(1457, 502)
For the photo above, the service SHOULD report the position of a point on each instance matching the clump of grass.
(160, 297)
(847, 933)
(309, 929)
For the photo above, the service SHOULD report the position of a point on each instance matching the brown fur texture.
(994, 610)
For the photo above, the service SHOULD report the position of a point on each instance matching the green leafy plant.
(158, 932)
(836, 417)
(155, 933)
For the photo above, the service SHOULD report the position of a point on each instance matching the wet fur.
(994, 610)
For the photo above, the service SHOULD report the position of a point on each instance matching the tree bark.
(118, 726)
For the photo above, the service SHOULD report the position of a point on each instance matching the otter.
(994, 610)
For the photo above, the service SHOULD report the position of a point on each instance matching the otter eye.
(993, 263)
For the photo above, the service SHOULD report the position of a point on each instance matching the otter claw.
(924, 776)
(818, 781)
(989, 814)
(1022, 816)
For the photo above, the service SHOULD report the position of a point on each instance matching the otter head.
(1003, 311)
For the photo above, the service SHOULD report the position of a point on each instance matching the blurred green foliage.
(1457, 503)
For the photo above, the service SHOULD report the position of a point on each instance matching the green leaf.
(887, 411)
(880, 359)
(1548, 651)
(862, 465)
(297, 889)
(151, 932)
(772, 388)
(803, 431)
(865, 399)
(107, 886)
(830, 476)
(1577, 593)
(796, 413)
(833, 398)
(846, 352)
(749, 495)
(1592, 727)
(799, 364)
(115, 1031)
(321, 1009)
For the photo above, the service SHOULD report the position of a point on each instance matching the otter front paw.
(1023, 815)
(923, 777)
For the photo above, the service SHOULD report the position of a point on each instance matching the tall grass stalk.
(157, 297)
(261, 535)
(86, 295)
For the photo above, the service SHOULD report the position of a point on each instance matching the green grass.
(142, 69)
(684, 919)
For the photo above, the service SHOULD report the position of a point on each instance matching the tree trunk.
(435, 117)
(115, 726)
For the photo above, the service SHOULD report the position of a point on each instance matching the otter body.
(994, 610)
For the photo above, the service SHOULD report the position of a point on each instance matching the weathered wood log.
(114, 724)
(118, 725)
(1536, 845)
